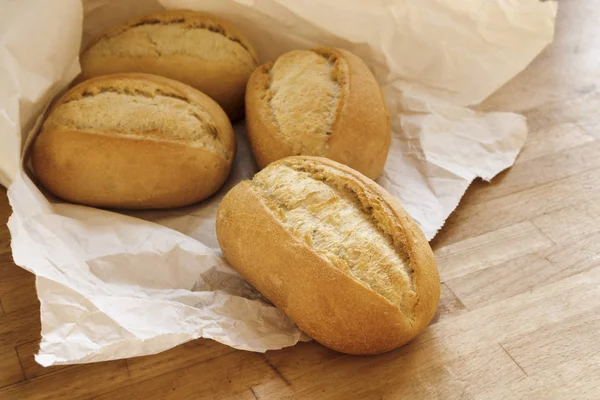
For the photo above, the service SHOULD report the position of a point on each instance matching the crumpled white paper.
(113, 285)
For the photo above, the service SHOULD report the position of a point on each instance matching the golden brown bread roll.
(334, 251)
(197, 49)
(134, 141)
(322, 102)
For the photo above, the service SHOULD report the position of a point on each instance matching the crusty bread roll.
(197, 49)
(322, 102)
(334, 251)
(134, 141)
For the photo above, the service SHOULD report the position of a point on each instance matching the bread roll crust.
(197, 49)
(331, 305)
(136, 158)
(360, 135)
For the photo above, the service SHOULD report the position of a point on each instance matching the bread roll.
(322, 102)
(134, 141)
(197, 49)
(334, 251)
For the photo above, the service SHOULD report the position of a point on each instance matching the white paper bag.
(114, 285)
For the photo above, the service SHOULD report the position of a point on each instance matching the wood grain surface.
(520, 263)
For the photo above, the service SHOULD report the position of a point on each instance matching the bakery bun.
(322, 102)
(202, 51)
(134, 141)
(334, 251)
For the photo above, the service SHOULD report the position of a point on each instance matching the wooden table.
(519, 259)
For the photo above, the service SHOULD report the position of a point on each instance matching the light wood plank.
(553, 139)
(5, 251)
(10, 368)
(80, 382)
(570, 222)
(529, 272)
(31, 368)
(575, 256)
(19, 327)
(536, 172)
(490, 249)
(220, 377)
(294, 361)
(5, 211)
(502, 281)
(17, 289)
(453, 379)
(473, 220)
(181, 356)
(578, 108)
(449, 306)
(520, 314)
(245, 395)
(555, 344)
(574, 380)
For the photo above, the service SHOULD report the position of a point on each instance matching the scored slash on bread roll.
(194, 48)
(134, 141)
(334, 251)
(321, 102)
